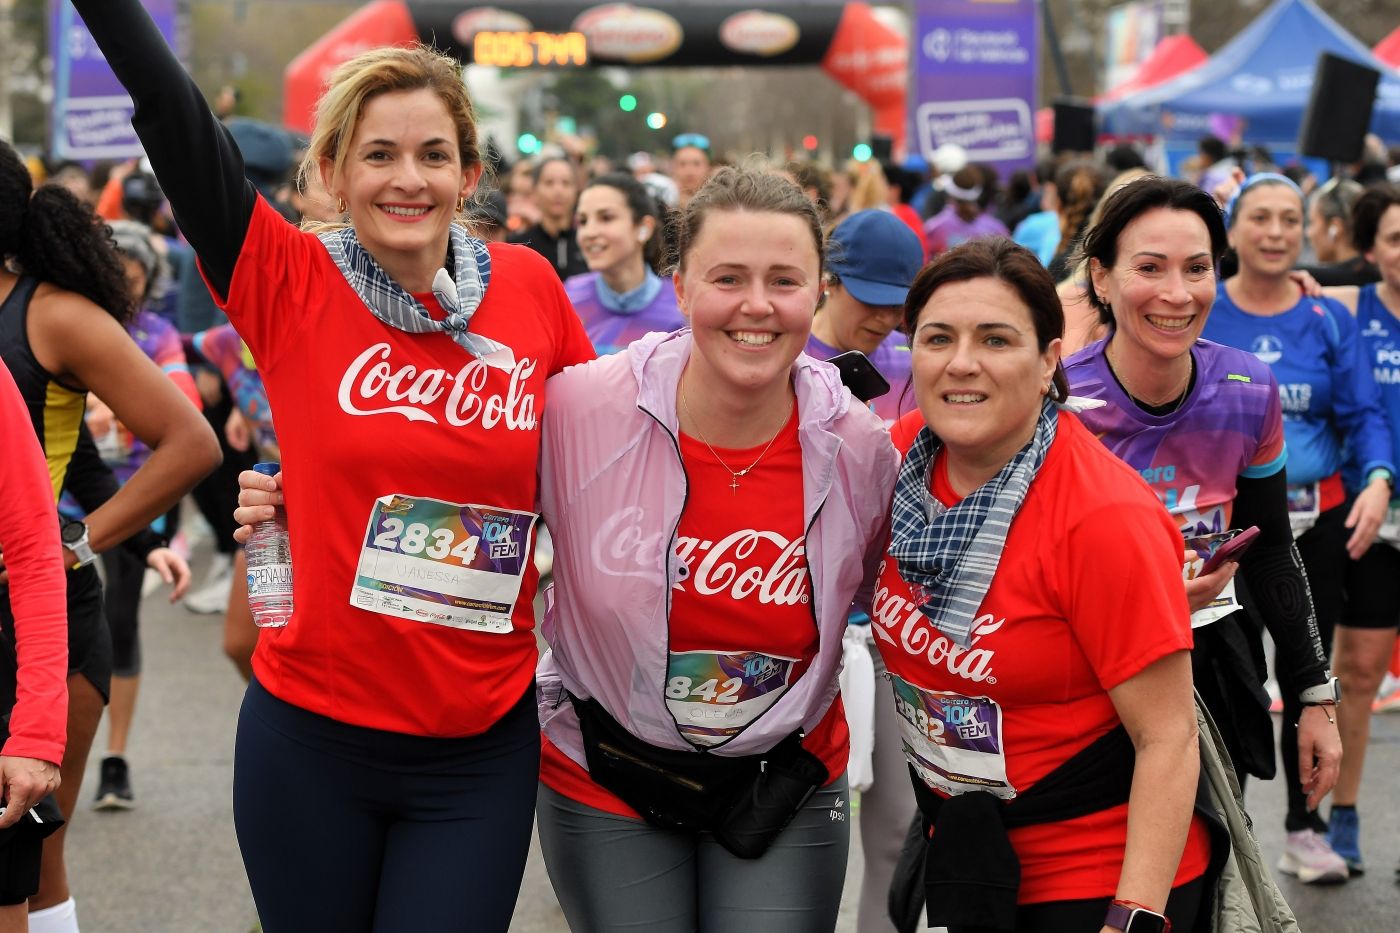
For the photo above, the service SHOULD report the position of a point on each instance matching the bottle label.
(446, 563)
(270, 580)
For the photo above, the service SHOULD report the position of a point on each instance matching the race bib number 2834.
(445, 563)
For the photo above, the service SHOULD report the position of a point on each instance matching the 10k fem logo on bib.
(953, 742)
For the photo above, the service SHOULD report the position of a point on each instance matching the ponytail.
(58, 239)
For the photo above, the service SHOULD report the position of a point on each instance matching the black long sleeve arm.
(194, 157)
(1277, 581)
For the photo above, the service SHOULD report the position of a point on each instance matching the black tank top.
(56, 410)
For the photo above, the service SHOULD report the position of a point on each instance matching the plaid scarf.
(949, 556)
(460, 294)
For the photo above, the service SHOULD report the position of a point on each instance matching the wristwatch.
(1132, 918)
(75, 538)
(1328, 693)
(1381, 473)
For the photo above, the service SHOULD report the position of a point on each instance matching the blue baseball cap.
(876, 256)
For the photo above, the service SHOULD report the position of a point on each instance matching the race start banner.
(92, 113)
(974, 80)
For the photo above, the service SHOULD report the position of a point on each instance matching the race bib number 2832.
(445, 563)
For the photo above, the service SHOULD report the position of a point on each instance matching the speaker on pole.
(1074, 127)
(1339, 110)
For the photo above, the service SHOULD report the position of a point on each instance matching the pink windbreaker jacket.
(612, 489)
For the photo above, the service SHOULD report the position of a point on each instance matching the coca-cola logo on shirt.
(898, 622)
(747, 564)
(374, 384)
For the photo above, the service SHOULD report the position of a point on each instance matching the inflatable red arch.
(846, 39)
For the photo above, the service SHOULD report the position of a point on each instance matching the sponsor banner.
(975, 67)
(662, 33)
(92, 113)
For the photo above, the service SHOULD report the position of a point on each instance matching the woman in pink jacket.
(717, 499)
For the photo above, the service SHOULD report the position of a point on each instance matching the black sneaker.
(114, 786)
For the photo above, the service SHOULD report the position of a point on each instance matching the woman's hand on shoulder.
(258, 497)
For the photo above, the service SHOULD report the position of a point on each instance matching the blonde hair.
(382, 71)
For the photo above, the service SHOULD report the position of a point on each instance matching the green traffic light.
(627, 102)
(861, 152)
(528, 143)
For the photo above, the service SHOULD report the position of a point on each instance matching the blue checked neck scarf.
(459, 292)
(949, 556)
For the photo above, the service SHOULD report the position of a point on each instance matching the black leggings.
(1323, 549)
(122, 599)
(1087, 916)
(351, 829)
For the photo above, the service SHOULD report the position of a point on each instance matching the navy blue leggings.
(351, 829)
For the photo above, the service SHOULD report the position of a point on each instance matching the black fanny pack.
(745, 802)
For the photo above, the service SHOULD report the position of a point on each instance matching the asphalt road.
(172, 864)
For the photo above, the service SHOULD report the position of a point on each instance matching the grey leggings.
(886, 810)
(612, 873)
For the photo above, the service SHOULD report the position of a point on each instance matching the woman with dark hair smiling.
(1201, 424)
(1008, 552)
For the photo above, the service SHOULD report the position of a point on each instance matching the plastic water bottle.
(269, 553)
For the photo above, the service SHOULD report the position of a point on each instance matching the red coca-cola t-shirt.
(741, 616)
(1088, 593)
(372, 419)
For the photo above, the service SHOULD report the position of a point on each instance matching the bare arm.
(76, 339)
(1158, 711)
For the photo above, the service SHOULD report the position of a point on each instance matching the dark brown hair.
(1015, 266)
(58, 239)
(1132, 201)
(1366, 214)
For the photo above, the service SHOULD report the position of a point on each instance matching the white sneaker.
(1307, 855)
(212, 595)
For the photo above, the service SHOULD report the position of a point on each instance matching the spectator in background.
(521, 212)
(553, 237)
(1217, 166)
(1123, 157)
(963, 219)
(814, 179)
(1080, 184)
(1040, 232)
(948, 160)
(75, 178)
(899, 188)
(488, 217)
(662, 188)
(1330, 233)
(690, 165)
(226, 101)
(843, 185)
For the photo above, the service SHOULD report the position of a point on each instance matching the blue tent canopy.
(1264, 75)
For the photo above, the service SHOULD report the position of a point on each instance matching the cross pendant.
(734, 484)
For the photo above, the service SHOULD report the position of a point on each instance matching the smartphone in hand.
(1231, 550)
(860, 375)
